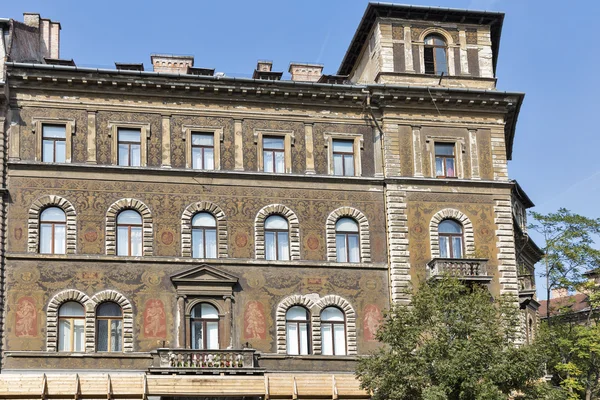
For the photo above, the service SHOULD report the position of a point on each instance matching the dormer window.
(435, 55)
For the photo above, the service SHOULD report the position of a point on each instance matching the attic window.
(435, 57)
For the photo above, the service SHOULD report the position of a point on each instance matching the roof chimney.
(264, 66)
(171, 63)
(263, 71)
(305, 72)
(31, 19)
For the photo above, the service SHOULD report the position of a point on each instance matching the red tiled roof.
(575, 303)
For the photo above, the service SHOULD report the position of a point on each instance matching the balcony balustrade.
(468, 269)
(205, 361)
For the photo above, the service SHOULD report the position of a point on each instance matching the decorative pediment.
(204, 280)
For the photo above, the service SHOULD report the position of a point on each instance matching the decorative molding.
(186, 227)
(33, 222)
(259, 229)
(113, 131)
(217, 133)
(449, 213)
(111, 225)
(358, 145)
(348, 310)
(38, 130)
(282, 308)
(52, 317)
(363, 223)
(116, 297)
(289, 139)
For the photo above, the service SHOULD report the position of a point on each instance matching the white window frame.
(38, 126)
(459, 153)
(217, 132)
(288, 141)
(113, 128)
(358, 147)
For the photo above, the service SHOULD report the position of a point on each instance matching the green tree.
(568, 248)
(452, 342)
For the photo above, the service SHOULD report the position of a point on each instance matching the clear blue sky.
(547, 50)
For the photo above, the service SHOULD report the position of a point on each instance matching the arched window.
(333, 332)
(436, 60)
(71, 321)
(277, 241)
(129, 233)
(53, 227)
(204, 236)
(297, 329)
(347, 240)
(204, 327)
(451, 239)
(109, 327)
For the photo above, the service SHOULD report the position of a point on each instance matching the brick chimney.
(303, 72)
(171, 63)
(49, 32)
(264, 66)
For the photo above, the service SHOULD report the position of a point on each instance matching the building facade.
(172, 233)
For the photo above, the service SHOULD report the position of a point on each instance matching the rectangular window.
(273, 154)
(343, 157)
(203, 151)
(445, 161)
(54, 143)
(130, 146)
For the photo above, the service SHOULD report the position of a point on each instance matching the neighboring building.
(574, 307)
(172, 233)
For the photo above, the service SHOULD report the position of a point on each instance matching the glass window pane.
(204, 219)
(116, 335)
(64, 335)
(109, 309)
(53, 214)
(270, 251)
(212, 335)
(276, 222)
(283, 246)
(54, 131)
(332, 314)
(71, 309)
(439, 167)
(279, 162)
(273, 143)
(61, 150)
(296, 313)
(122, 241)
(197, 342)
(211, 243)
(338, 164)
(450, 167)
(129, 135)
(440, 61)
(208, 311)
(136, 241)
(457, 247)
(345, 146)
(340, 245)
(135, 155)
(124, 154)
(292, 339)
(203, 139)
(196, 158)
(102, 335)
(303, 338)
(78, 334)
(449, 226)
(60, 239)
(268, 161)
(444, 149)
(349, 165)
(197, 243)
(346, 225)
(45, 239)
(48, 151)
(326, 340)
(129, 217)
(209, 159)
(353, 248)
(339, 339)
(444, 247)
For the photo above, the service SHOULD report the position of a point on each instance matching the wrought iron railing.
(464, 268)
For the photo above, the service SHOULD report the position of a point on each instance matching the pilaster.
(238, 142)
(309, 143)
(166, 141)
(91, 137)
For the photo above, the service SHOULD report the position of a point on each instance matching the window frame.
(276, 242)
(217, 132)
(346, 235)
(273, 152)
(444, 159)
(71, 320)
(38, 129)
(344, 154)
(433, 47)
(288, 142)
(333, 323)
(144, 136)
(129, 226)
(53, 225)
(450, 236)
(130, 151)
(203, 229)
(459, 151)
(193, 319)
(358, 146)
(109, 319)
(307, 321)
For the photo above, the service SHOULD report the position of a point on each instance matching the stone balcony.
(466, 269)
(219, 362)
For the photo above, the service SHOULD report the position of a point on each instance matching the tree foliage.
(452, 342)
